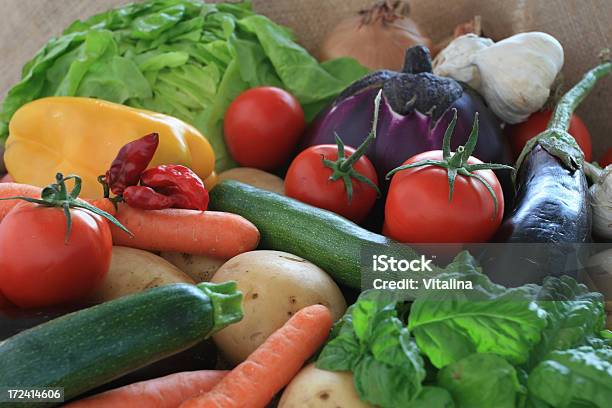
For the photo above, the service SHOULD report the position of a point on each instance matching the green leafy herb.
(486, 319)
(184, 58)
(576, 377)
(481, 380)
(574, 314)
(374, 344)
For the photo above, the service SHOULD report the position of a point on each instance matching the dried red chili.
(179, 183)
(146, 198)
(131, 161)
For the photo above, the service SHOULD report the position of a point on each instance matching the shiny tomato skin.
(520, 133)
(307, 180)
(38, 268)
(262, 127)
(417, 209)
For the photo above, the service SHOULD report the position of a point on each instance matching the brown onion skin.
(377, 38)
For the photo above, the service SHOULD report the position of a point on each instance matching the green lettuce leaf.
(576, 377)
(481, 380)
(184, 58)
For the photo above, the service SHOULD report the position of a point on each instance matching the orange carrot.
(165, 392)
(104, 204)
(27, 190)
(253, 383)
(218, 234)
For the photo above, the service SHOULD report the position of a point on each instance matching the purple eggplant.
(413, 116)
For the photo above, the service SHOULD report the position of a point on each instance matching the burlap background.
(583, 27)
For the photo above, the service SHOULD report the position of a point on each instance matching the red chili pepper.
(131, 161)
(179, 183)
(146, 198)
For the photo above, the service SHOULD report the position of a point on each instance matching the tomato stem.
(57, 195)
(457, 163)
(343, 166)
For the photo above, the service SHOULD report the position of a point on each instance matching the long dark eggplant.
(543, 233)
(551, 218)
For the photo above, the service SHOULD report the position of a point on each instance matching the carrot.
(165, 392)
(104, 204)
(253, 383)
(218, 234)
(27, 190)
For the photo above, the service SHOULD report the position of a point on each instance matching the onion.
(377, 37)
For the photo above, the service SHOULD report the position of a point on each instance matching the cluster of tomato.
(263, 127)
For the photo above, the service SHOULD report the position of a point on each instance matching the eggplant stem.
(568, 103)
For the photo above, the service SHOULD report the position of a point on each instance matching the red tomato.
(520, 133)
(38, 268)
(262, 127)
(606, 158)
(308, 180)
(418, 210)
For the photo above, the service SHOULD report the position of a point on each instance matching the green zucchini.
(85, 349)
(326, 239)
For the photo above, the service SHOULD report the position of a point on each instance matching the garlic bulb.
(456, 60)
(601, 199)
(513, 75)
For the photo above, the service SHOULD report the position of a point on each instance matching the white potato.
(134, 270)
(275, 285)
(201, 268)
(314, 388)
(256, 178)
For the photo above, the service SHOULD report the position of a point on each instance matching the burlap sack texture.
(583, 26)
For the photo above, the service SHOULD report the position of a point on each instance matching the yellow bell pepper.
(82, 136)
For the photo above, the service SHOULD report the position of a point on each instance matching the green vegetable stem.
(343, 167)
(555, 139)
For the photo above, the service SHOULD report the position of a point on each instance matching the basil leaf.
(433, 397)
(341, 353)
(567, 378)
(481, 380)
(573, 315)
(486, 319)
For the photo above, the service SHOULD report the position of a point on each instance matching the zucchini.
(328, 240)
(93, 346)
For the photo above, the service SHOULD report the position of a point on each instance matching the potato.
(275, 285)
(134, 270)
(256, 178)
(201, 268)
(314, 388)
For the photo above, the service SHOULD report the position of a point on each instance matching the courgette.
(328, 240)
(85, 349)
